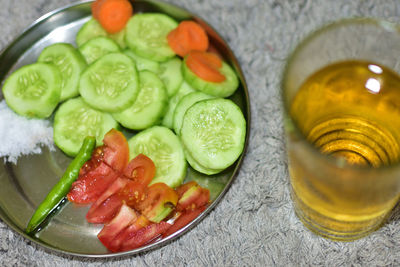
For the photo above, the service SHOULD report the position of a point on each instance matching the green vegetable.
(59, 191)
(146, 35)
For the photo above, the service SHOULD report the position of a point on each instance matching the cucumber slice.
(92, 29)
(70, 63)
(143, 63)
(222, 89)
(89, 30)
(146, 35)
(213, 132)
(110, 83)
(119, 38)
(168, 119)
(186, 102)
(149, 106)
(198, 167)
(165, 149)
(74, 120)
(33, 90)
(171, 74)
(97, 47)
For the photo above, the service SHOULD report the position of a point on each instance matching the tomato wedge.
(123, 219)
(92, 184)
(205, 65)
(108, 204)
(192, 196)
(115, 150)
(160, 201)
(133, 193)
(140, 223)
(144, 235)
(183, 219)
(141, 169)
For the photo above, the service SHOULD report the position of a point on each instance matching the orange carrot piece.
(113, 14)
(95, 8)
(188, 36)
(205, 65)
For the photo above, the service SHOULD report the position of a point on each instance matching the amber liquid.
(350, 111)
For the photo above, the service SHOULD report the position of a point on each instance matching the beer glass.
(341, 97)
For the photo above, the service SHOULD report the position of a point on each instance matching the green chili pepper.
(59, 191)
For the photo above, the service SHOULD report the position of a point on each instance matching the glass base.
(331, 228)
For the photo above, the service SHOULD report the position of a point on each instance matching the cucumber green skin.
(34, 107)
(213, 132)
(222, 89)
(149, 106)
(183, 90)
(89, 30)
(161, 145)
(97, 79)
(170, 73)
(60, 190)
(198, 167)
(143, 63)
(145, 41)
(69, 133)
(70, 73)
(186, 102)
(98, 47)
(92, 29)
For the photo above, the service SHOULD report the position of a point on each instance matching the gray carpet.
(254, 225)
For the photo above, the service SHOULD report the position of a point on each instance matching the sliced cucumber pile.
(33, 90)
(69, 62)
(149, 106)
(165, 149)
(74, 120)
(134, 79)
(213, 133)
(97, 47)
(111, 83)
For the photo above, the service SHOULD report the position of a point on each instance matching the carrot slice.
(112, 14)
(188, 36)
(95, 8)
(205, 65)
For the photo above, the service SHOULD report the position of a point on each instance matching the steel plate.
(25, 184)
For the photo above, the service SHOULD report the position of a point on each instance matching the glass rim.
(287, 118)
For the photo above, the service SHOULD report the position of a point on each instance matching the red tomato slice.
(183, 219)
(88, 188)
(133, 193)
(115, 150)
(192, 196)
(123, 219)
(94, 162)
(141, 169)
(108, 204)
(144, 235)
(140, 223)
(160, 201)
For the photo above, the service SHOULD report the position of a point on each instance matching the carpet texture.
(254, 224)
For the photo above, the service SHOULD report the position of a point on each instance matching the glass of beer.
(341, 96)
